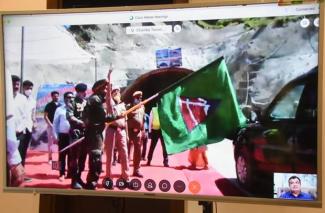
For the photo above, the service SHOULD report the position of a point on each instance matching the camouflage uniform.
(77, 153)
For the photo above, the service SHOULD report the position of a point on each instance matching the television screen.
(195, 102)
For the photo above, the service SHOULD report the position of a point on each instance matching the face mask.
(28, 92)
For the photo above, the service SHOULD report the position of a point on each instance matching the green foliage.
(254, 23)
(82, 33)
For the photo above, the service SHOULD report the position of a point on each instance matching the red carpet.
(211, 182)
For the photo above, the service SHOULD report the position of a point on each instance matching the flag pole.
(137, 106)
(72, 144)
(165, 90)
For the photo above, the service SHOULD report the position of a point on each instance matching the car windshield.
(286, 106)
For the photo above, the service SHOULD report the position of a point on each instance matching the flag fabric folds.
(200, 109)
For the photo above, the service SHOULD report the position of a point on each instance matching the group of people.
(80, 122)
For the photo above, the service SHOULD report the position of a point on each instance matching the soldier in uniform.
(136, 130)
(95, 118)
(78, 153)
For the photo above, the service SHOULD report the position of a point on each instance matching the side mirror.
(253, 116)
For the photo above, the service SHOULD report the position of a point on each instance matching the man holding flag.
(116, 134)
(199, 109)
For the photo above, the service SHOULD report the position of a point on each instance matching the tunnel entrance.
(152, 82)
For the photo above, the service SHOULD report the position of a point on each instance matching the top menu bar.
(162, 15)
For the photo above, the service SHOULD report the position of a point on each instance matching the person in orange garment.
(198, 158)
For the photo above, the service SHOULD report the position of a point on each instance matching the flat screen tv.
(205, 102)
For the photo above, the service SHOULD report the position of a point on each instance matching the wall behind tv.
(29, 203)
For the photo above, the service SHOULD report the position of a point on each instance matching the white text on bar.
(149, 29)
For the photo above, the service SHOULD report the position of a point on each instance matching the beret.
(99, 85)
(81, 87)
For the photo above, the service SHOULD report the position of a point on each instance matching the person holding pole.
(77, 153)
(95, 117)
(116, 134)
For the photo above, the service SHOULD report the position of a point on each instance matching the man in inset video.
(295, 190)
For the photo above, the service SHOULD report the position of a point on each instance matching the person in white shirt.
(20, 118)
(30, 118)
(61, 128)
(15, 170)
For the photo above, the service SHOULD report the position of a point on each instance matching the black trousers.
(64, 140)
(155, 135)
(144, 145)
(24, 140)
(78, 155)
(94, 141)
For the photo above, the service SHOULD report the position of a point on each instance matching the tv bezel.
(235, 199)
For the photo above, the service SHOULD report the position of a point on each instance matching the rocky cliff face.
(262, 54)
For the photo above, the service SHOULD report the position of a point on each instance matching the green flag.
(200, 109)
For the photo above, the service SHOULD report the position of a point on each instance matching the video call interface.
(210, 101)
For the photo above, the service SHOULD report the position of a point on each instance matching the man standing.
(20, 116)
(78, 153)
(15, 170)
(95, 118)
(20, 102)
(145, 136)
(116, 132)
(49, 116)
(135, 130)
(30, 110)
(155, 135)
(295, 190)
(61, 128)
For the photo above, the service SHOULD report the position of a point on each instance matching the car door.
(280, 129)
(305, 144)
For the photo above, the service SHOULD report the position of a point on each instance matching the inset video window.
(295, 186)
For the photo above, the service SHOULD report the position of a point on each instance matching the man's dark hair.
(294, 177)
(65, 95)
(15, 78)
(54, 93)
(28, 83)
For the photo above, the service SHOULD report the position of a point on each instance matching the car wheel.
(244, 168)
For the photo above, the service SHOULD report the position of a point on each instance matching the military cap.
(137, 93)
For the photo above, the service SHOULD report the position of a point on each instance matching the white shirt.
(60, 122)
(20, 114)
(30, 112)
(13, 155)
